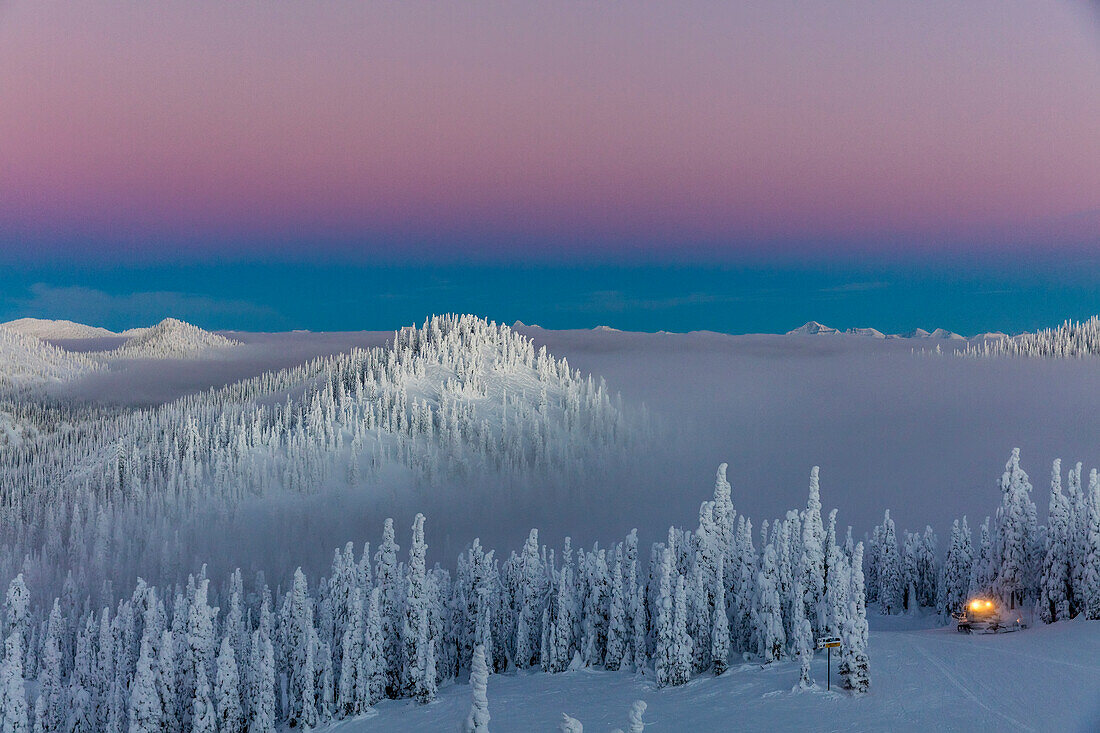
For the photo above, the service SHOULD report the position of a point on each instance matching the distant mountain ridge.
(44, 328)
(813, 328)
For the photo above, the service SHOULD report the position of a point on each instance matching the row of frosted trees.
(1054, 569)
(1073, 339)
(384, 624)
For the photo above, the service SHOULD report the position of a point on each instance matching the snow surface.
(923, 677)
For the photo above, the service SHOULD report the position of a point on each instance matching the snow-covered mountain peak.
(170, 339)
(812, 328)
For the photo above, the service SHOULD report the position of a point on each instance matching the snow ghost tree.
(478, 720)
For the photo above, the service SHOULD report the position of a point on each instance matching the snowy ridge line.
(460, 395)
(55, 329)
(1071, 340)
(378, 628)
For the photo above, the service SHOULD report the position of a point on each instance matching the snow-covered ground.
(924, 677)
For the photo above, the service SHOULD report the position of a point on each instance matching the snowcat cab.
(986, 615)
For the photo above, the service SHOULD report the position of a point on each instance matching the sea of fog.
(891, 424)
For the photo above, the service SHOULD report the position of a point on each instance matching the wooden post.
(829, 674)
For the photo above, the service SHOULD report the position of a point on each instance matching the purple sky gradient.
(244, 129)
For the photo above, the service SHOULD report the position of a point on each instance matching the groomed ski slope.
(923, 677)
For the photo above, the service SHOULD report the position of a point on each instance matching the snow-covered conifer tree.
(262, 684)
(203, 717)
(419, 644)
(720, 633)
(802, 642)
(1055, 590)
(13, 698)
(349, 695)
(767, 620)
(983, 571)
(855, 666)
(889, 569)
(1090, 575)
(390, 608)
(618, 635)
(1017, 534)
(145, 704)
(478, 719)
(227, 694)
(682, 651)
(813, 553)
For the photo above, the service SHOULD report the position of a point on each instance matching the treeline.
(383, 624)
(1053, 569)
(1073, 339)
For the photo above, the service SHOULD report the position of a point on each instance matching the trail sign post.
(828, 642)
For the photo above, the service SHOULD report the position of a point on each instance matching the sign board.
(828, 642)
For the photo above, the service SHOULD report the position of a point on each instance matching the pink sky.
(656, 123)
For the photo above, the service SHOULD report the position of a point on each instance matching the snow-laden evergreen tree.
(802, 640)
(813, 553)
(419, 644)
(374, 667)
(1016, 573)
(720, 633)
(682, 651)
(146, 709)
(531, 580)
(1090, 576)
(767, 620)
(618, 635)
(17, 611)
(262, 684)
(166, 682)
(203, 716)
(13, 698)
(723, 513)
(50, 688)
(478, 719)
(390, 609)
(197, 649)
(927, 574)
(746, 586)
(855, 664)
(227, 694)
(1055, 589)
(595, 620)
(983, 571)
(350, 696)
(955, 582)
(665, 654)
(835, 603)
(889, 569)
(301, 694)
(1078, 501)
